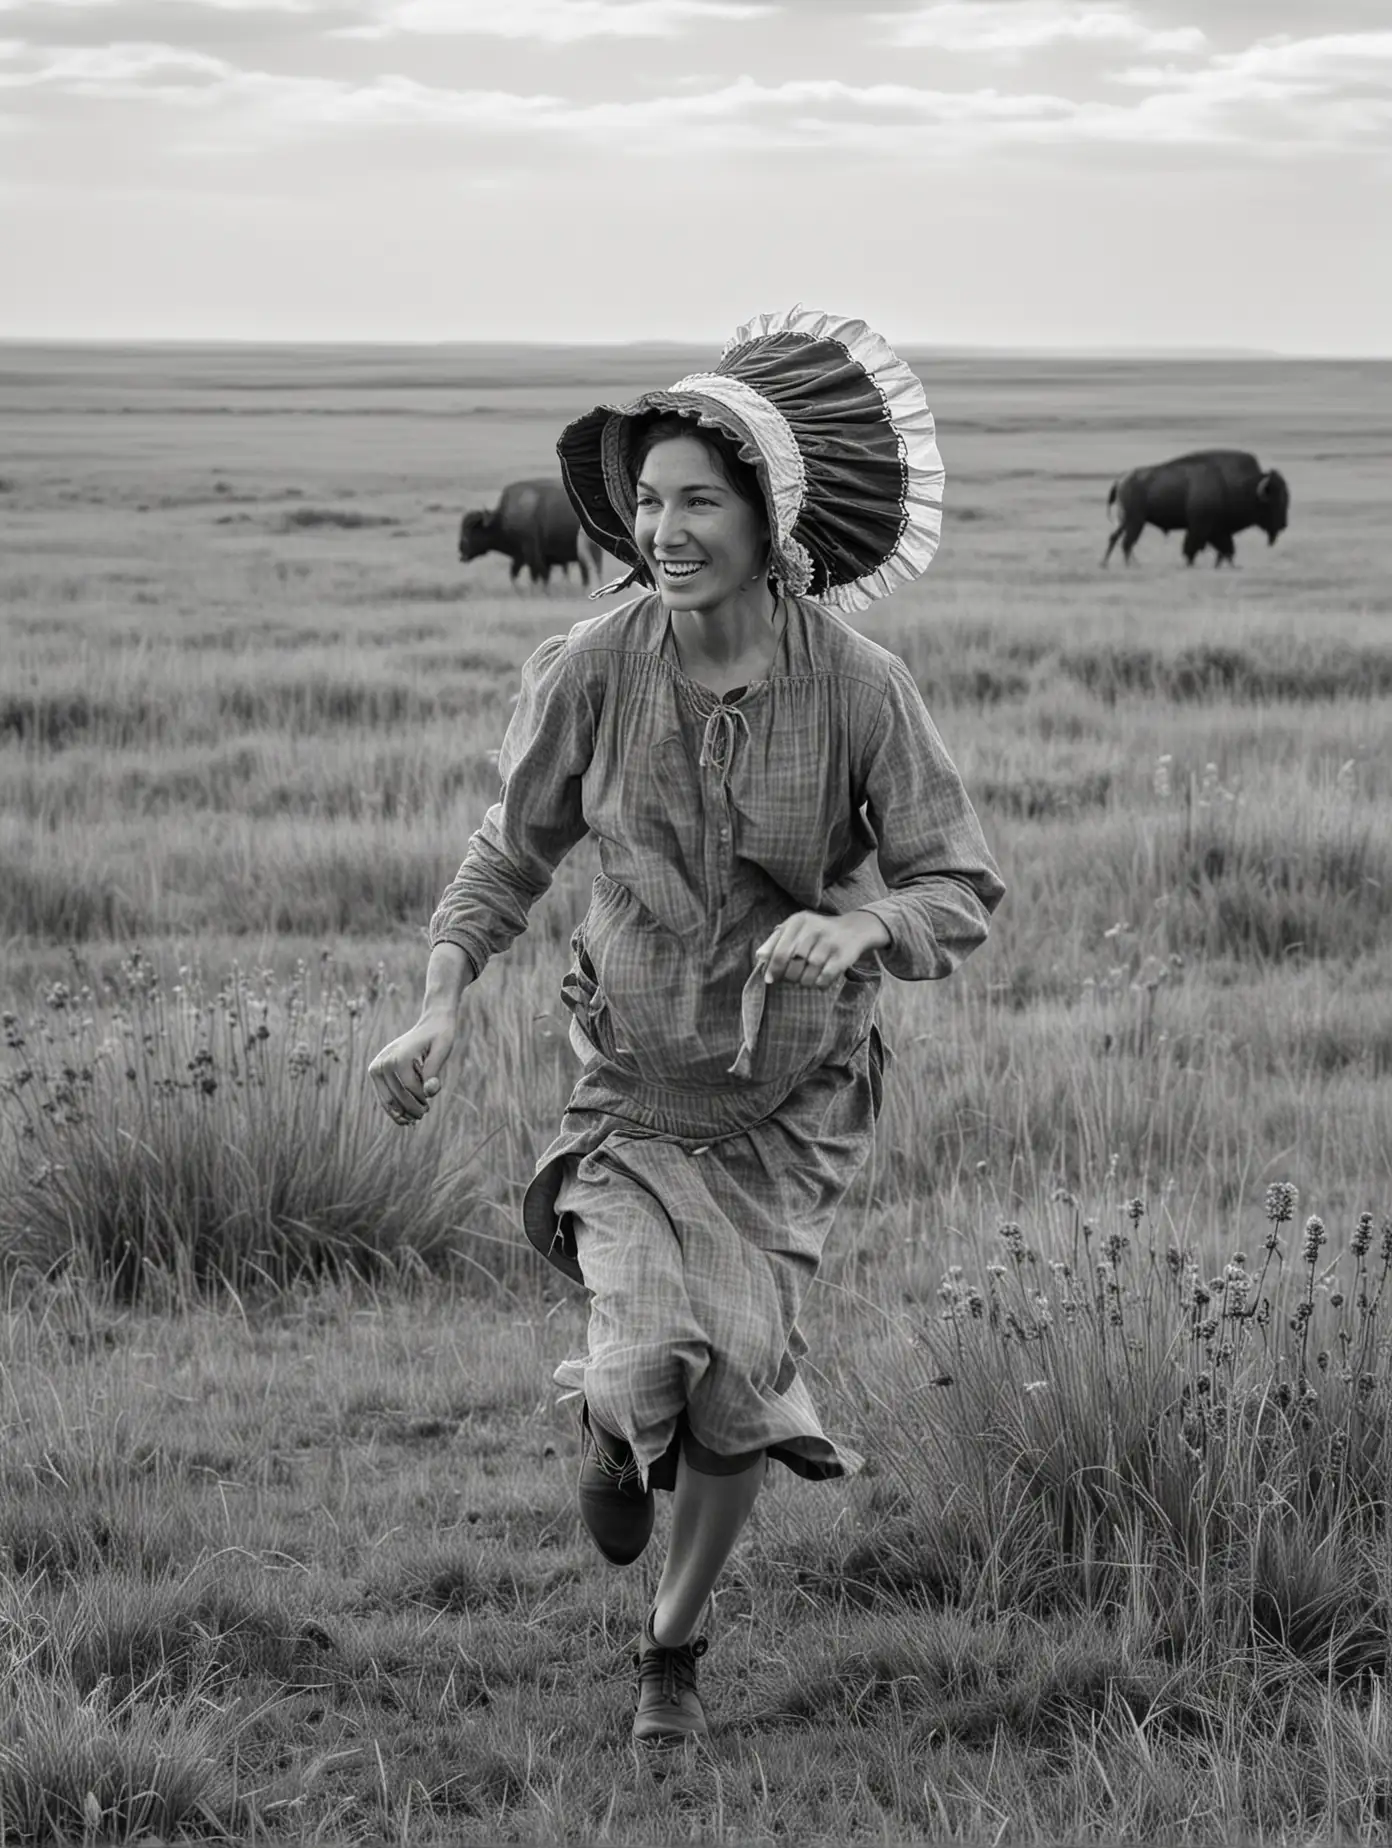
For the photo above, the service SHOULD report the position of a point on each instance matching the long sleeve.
(942, 884)
(538, 817)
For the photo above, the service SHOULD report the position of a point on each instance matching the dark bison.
(534, 525)
(1212, 494)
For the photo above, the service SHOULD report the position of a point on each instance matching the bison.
(534, 525)
(1212, 494)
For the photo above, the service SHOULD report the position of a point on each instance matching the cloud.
(557, 22)
(744, 114)
(1011, 27)
(1270, 100)
(170, 8)
(1334, 89)
(1293, 63)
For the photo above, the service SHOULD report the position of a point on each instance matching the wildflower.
(1322, 1360)
(1284, 1395)
(996, 1271)
(1314, 1237)
(1281, 1197)
(1010, 1232)
(976, 1303)
(1336, 1300)
(1386, 1248)
(299, 1058)
(1174, 1260)
(1203, 1385)
(1302, 1315)
(1151, 975)
(1114, 1245)
(1135, 1211)
(1362, 1235)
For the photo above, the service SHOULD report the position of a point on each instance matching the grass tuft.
(229, 1139)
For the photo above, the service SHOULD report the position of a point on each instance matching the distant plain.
(249, 706)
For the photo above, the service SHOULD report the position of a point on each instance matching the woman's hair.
(664, 426)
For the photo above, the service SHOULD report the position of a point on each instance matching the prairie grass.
(287, 1540)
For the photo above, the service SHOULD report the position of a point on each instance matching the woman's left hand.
(816, 951)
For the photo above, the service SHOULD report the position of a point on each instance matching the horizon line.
(1025, 349)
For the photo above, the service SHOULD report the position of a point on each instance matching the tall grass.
(1105, 1421)
(177, 1136)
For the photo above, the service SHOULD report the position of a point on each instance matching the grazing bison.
(534, 525)
(1212, 494)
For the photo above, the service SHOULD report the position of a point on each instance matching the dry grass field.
(287, 1545)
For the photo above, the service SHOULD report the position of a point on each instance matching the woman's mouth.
(676, 569)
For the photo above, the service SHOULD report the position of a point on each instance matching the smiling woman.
(778, 824)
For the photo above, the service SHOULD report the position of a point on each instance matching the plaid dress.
(716, 1122)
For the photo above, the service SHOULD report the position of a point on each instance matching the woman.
(778, 822)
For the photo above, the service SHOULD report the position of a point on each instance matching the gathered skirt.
(696, 1221)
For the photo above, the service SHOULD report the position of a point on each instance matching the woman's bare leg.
(708, 1515)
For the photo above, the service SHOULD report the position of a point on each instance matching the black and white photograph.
(696, 923)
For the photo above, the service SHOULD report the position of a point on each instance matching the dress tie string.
(717, 753)
(751, 1020)
(718, 740)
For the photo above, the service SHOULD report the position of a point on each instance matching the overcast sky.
(984, 172)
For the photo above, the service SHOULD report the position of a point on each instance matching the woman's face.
(702, 543)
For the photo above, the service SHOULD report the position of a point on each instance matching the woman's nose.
(670, 528)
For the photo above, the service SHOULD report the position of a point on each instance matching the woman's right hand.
(406, 1074)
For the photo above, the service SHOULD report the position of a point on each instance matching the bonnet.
(838, 432)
